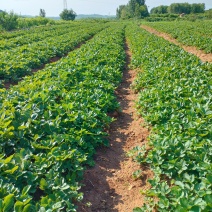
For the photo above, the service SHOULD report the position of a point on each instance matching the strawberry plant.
(51, 123)
(175, 99)
(18, 62)
(188, 33)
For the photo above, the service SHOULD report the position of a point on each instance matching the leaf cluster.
(188, 33)
(175, 99)
(18, 60)
(51, 123)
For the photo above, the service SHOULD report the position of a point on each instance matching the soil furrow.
(191, 49)
(109, 185)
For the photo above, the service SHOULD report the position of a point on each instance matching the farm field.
(198, 34)
(52, 122)
(18, 60)
(175, 100)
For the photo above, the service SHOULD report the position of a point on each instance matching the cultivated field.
(53, 121)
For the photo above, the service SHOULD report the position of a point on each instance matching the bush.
(68, 15)
(37, 21)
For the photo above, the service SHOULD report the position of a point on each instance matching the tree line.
(179, 8)
(11, 21)
(138, 9)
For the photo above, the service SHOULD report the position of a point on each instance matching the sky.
(102, 7)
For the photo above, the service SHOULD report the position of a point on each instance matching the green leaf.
(179, 183)
(22, 127)
(11, 171)
(209, 178)
(7, 160)
(208, 198)
(18, 206)
(43, 184)
(137, 210)
(57, 205)
(1, 205)
(195, 209)
(29, 208)
(184, 202)
(8, 202)
(26, 189)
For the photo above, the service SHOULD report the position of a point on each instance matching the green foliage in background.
(68, 15)
(8, 21)
(134, 9)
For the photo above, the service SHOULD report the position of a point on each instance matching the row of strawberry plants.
(175, 100)
(18, 62)
(52, 121)
(188, 33)
(40, 34)
(16, 33)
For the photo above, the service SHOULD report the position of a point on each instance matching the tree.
(42, 13)
(125, 13)
(144, 11)
(68, 15)
(134, 9)
(198, 8)
(162, 9)
(8, 21)
(119, 11)
(208, 13)
(179, 8)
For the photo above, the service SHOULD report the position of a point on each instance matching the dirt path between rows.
(109, 185)
(191, 49)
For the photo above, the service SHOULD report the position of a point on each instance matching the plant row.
(12, 34)
(197, 34)
(20, 61)
(37, 35)
(51, 123)
(175, 100)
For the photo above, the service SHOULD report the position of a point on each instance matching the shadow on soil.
(97, 191)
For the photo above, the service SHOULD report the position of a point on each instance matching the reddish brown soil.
(191, 49)
(109, 185)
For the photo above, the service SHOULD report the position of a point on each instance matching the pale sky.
(102, 7)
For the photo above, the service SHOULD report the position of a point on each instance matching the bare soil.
(191, 49)
(109, 185)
